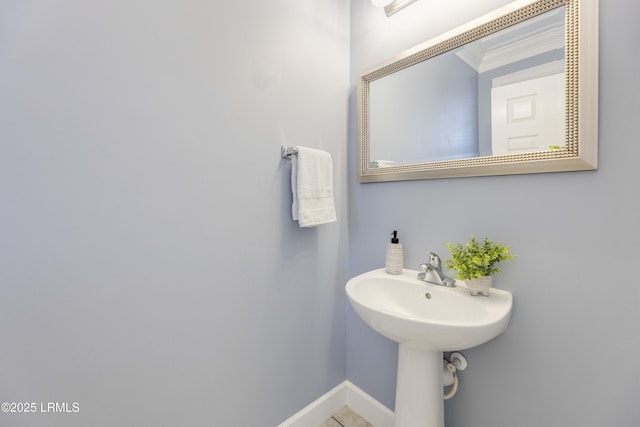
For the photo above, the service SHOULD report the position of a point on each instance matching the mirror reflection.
(502, 94)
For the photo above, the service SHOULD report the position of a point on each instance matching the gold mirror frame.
(581, 61)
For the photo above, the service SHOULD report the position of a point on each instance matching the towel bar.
(287, 151)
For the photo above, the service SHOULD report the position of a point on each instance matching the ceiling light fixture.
(392, 6)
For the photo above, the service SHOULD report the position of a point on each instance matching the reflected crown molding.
(494, 52)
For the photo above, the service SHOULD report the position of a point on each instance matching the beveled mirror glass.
(512, 92)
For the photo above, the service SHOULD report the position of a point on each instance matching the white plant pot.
(480, 285)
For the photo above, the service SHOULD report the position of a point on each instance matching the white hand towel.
(312, 187)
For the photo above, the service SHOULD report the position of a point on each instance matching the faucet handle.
(422, 271)
(434, 260)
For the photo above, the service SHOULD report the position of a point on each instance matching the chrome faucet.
(431, 272)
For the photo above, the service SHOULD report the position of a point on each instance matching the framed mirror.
(513, 92)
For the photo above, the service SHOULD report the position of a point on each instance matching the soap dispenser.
(394, 260)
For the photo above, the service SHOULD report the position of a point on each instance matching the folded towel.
(382, 163)
(312, 187)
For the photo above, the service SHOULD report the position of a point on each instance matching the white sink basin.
(446, 319)
(425, 319)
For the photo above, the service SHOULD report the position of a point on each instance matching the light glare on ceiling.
(380, 3)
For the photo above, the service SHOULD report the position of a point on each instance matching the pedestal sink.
(425, 320)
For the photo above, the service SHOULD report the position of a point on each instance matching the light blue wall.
(401, 109)
(570, 355)
(149, 266)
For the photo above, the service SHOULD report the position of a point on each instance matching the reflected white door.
(528, 116)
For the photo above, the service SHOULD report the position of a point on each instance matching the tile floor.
(345, 417)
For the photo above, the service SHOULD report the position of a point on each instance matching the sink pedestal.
(419, 389)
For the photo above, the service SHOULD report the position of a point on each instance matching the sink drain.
(427, 295)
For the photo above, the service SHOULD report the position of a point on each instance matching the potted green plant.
(476, 262)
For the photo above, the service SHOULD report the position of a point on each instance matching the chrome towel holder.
(287, 151)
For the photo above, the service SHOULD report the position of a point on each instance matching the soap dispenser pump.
(394, 260)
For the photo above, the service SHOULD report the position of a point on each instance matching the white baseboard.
(331, 402)
(367, 407)
(320, 410)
